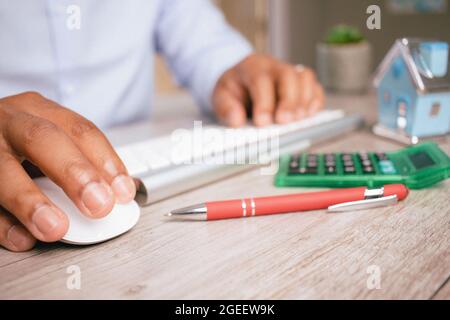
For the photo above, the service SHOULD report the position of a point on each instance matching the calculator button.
(303, 171)
(381, 156)
(293, 165)
(330, 170)
(349, 170)
(367, 163)
(348, 163)
(312, 164)
(307, 171)
(330, 163)
(387, 167)
(363, 156)
(311, 171)
(368, 170)
(347, 157)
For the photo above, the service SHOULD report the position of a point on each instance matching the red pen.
(334, 200)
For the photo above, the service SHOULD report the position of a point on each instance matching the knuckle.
(309, 74)
(81, 128)
(75, 170)
(24, 203)
(258, 78)
(37, 129)
(303, 101)
(287, 70)
(32, 95)
(224, 82)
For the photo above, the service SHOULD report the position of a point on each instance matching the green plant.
(343, 34)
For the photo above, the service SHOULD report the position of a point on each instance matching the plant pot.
(344, 67)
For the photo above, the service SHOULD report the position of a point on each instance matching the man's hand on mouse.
(68, 149)
(72, 152)
(272, 91)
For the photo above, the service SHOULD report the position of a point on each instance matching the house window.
(435, 108)
(402, 108)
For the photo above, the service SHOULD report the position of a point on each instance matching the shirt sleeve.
(198, 45)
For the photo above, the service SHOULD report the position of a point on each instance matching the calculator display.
(421, 160)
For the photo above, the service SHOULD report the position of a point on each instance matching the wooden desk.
(291, 256)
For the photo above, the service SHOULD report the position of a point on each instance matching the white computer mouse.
(83, 230)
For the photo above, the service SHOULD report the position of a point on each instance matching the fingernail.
(96, 196)
(263, 119)
(124, 188)
(285, 116)
(20, 238)
(46, 219)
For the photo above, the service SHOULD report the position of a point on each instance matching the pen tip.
(168, 214)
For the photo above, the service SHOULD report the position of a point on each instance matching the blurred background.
(293, 29)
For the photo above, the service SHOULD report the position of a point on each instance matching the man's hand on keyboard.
(272, 90)
(68, 149)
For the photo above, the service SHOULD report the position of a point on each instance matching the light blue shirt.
(98, 61)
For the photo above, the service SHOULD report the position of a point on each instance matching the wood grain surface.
(291, 256)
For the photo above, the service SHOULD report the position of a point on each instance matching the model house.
(413, 85)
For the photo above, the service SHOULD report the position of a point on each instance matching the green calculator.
(416, 167)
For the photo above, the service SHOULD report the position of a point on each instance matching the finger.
(318, 101)
(13, 236)
(306, 92)
(97, 149)
(23, 199)
(229, 110)
(229, 101)
(49, 148)
(262, 93)
(92, 143)
(288, 95)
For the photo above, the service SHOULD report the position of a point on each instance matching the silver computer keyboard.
(158, 153)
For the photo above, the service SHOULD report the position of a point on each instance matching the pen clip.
(364, 204)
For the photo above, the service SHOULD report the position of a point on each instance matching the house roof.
(423, 79)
